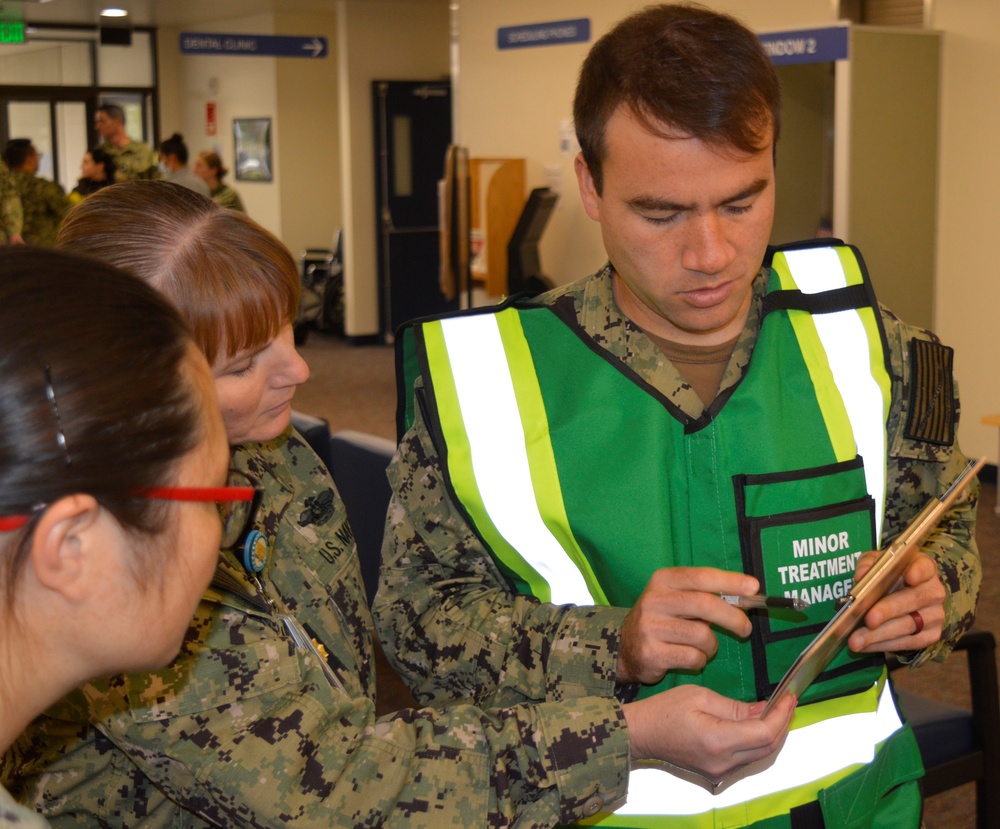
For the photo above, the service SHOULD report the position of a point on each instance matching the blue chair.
(962, 745)
(357, 461)
(316, 431)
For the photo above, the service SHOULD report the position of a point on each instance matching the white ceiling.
(161, 12)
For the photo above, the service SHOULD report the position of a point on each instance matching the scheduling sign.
(806, 45)
(544, 34)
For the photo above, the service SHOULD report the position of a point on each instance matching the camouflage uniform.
(44, 204)
(226, 196)
(11, 214)
(13, 814)
(447, 616)
(86, 187)
(133, 161)
(245, 729)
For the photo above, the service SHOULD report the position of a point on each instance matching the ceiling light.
(114, 13)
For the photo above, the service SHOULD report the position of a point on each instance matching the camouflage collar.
(232, 587)
(597, 313)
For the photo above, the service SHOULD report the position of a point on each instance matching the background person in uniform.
(11, 214)
(174, 159)
(102, 393)
(43, 202)
(669, 427)
(269, 710)
(97, 171)
(209, 166)
(133, 159)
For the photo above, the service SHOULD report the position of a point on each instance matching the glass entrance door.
(51, 84)
(58, 129)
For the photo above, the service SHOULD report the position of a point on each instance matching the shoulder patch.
(931, 418)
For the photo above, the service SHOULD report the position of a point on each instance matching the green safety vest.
(582, 480)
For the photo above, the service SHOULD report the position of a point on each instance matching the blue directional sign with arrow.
(271, 46)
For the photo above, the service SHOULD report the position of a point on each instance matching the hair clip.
(50, 393)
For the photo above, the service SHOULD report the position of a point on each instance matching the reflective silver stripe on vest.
(810, 753)
(499, 457)
(847, 350)
(497, 443)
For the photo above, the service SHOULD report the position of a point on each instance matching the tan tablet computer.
(878, 581)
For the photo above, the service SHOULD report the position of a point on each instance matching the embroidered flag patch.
(932, 396)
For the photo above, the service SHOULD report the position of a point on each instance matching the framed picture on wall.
(252, 139)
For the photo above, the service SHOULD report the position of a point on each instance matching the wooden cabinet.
(497, 197)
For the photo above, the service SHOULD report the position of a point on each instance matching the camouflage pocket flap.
(204, 677)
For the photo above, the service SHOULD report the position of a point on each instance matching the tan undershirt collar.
(701, 365)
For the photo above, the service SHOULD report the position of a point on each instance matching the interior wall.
(241, 87)
(168, 71)
(803, 194)
(307, 98)
(518, 102)
(496, 117)
(46, 63)
(378, 41)
(321, 121)
(302, 205)
(967, 291)
(891, 172)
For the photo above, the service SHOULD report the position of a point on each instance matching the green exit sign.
(11, 32)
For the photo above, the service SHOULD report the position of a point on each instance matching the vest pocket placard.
(800, 541)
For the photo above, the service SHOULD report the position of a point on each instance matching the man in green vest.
(582, 475)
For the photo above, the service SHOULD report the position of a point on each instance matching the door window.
(33, 119)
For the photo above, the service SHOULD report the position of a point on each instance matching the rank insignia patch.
(932, 398)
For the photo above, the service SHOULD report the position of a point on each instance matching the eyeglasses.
(237, 502)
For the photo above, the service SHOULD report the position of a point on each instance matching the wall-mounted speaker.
(116, 35)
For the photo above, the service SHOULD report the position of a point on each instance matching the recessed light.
(114, 13)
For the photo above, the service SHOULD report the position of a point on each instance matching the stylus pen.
(766, 601)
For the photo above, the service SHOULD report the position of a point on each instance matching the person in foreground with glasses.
(267, 717)
(109, 430)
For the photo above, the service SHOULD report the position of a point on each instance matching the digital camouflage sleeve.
(445, 613)
(11, 214)
(13, 814)
(924, 458)
(134, 161)
(245, 729)
(44, 204)
(448, 619)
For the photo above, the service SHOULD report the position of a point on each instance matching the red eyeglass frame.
(197, 494)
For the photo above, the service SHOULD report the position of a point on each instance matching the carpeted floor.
(353, 387)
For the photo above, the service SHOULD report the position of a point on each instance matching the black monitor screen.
(524, 268)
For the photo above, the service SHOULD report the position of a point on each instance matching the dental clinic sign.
(271, 46)
(806, 45)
